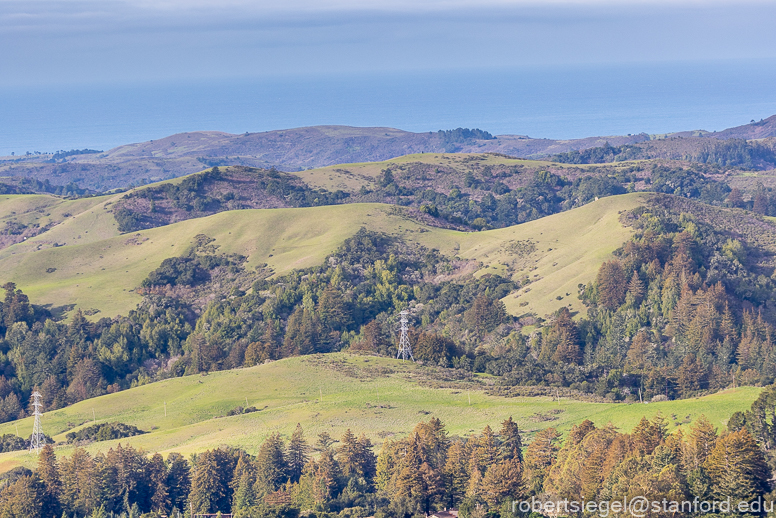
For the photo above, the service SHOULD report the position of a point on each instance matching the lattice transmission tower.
(404, 339)
(37, 440)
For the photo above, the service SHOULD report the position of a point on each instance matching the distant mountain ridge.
(308, 147)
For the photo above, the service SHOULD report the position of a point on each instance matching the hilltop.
(311, 147)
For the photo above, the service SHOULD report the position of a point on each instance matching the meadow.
(380, 397)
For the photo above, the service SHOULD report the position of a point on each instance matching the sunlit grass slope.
(101, 269)
(380, 397)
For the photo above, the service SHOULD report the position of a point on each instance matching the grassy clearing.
(380, 397)
(99, 269)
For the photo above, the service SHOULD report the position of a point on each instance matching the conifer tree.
(702, 440)
(297, 454)
(611, 284)
(456, 474)
(485, 451)
(511, 446)
(737, 468)
(160, 497)
(210, 491)
(367, 459)
(80, 482)
(348, 455)
(540, 455)
(48, 472)
(178, 480)
(23, 499)
(271, 466)
(636, 287)
(503, 480)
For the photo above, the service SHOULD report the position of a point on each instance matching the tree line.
(428, 470)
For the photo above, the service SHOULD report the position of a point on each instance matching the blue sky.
(89, 41)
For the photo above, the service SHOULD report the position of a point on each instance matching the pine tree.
(244, 495)
(511, 446)
(80, 483)
(23, 499)
(702, 440)
(580, 431)
(485, 450)
(297, 454)
(347, 455)
(647, 435)
(48, 472)
(178, 480)
(271, 466)
(636, 287)
(368, 459)
(503, 480)
(456, 473)
(474, 487)
(611, 284)
(160, 497)
(737, 468)
(210, 491)
(327, 477)
(540, 455)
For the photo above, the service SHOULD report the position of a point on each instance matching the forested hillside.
(685, 307)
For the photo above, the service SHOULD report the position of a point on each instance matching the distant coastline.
(573, 102)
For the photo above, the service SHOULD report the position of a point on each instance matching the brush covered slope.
(380, 397)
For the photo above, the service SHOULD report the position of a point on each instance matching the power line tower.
(37, 439)
(404, 340)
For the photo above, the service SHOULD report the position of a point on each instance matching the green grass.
(99, 269)
(380, 397)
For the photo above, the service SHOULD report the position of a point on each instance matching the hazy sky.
(66, 41)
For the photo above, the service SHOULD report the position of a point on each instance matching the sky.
(45, 42)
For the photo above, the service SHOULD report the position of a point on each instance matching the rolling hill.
(380, 397)
(84, 262)
(313, 147)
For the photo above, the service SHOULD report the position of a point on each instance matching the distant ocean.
(553, 102)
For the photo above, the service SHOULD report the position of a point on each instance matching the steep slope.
(101, 270)
(380, 397)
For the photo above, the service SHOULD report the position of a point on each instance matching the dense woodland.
(480, 475)
(746, 154)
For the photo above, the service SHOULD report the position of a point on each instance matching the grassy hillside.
(377, 396)
(62, 220)
(97, 269)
